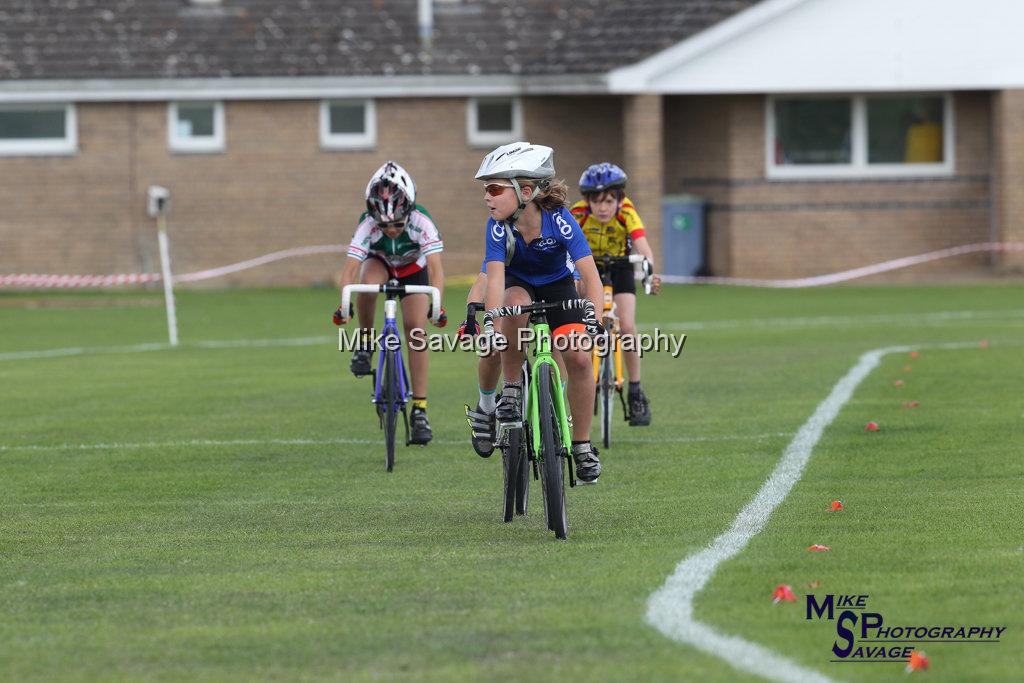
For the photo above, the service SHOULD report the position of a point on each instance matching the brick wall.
(68, 209)
(273, 188)
(776, 229)
(644, 157)
(1008, 129)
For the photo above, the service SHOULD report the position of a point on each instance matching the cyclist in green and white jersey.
(396, 239)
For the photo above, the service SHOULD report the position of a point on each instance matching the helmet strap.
(524, 202)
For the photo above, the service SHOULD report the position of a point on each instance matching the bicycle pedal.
(503, 429)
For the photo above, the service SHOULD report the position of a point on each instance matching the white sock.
(487, 400)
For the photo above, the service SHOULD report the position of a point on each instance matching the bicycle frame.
(611, 325)
(542, 354)
(392, 347)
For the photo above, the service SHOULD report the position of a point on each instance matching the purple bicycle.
(391, 389)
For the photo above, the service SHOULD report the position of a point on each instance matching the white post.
(159, 197)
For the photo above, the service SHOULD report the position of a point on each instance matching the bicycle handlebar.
(566, 305)
(434, 292)
(645, 266)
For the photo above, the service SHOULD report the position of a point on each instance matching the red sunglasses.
(495, 189)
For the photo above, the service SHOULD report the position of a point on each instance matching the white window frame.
(64, 146)
(859, 166)
(479, 138)
(200, 145)
(365, 140)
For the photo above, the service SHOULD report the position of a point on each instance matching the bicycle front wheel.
(514, 464)
(551, 456)
(390, 399)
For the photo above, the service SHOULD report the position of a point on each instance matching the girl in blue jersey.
(532, 245)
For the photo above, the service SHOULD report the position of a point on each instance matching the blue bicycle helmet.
(601, 177)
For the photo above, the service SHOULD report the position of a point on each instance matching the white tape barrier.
(39, 280)
(845, 275)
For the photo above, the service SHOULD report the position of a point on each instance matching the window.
(195, 126)
(812, 132)
(494, 121)
(28, 129)
(862, 135)
(905, 130)
(348, 124)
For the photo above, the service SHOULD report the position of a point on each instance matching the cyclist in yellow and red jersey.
(613, 228)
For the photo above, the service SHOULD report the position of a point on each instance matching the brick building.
(825, 134)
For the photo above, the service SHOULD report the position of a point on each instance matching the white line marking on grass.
(141, 348)
(670, 608)
(830, 320)
(81, 351)
(936, 317)
(199, 443)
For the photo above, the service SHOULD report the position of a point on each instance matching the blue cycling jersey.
(548, 258)
(575, 273)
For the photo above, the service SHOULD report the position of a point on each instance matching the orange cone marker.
(918, 661)
(983, 343)
(914, 354)
(898, 383)
(911, 404)
(818, 548)
(871, 427)
(783, 592)
(837, 505)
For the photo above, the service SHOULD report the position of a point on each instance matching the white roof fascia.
(637, 78)
(313, 87)
(815, 46)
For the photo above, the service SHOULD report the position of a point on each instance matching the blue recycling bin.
(683, 239)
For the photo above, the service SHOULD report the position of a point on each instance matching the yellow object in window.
(924, 143)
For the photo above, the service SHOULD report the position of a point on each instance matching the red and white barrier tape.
(843, 276)
(261, 260)
(42, 280)
(38, 280)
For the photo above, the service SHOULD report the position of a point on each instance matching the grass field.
(221, 511)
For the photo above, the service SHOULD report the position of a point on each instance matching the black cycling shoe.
(360, 364)
(639, 409)
(509, 411)
(588, 467)
(419, 427)
(482, 429)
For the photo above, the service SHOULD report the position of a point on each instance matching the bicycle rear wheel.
(606, 390)
(390, 399)
(551, 456)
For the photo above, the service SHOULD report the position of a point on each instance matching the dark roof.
(87, 39)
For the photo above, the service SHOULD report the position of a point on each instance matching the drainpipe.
(426, 23)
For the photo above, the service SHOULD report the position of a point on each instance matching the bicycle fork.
(560, 409)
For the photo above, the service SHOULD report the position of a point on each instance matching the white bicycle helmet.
(519, 160)
(390, 194)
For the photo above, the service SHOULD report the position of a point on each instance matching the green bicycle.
(544, 440)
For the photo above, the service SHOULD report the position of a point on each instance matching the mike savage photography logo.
(866, 637)
(420, 340)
